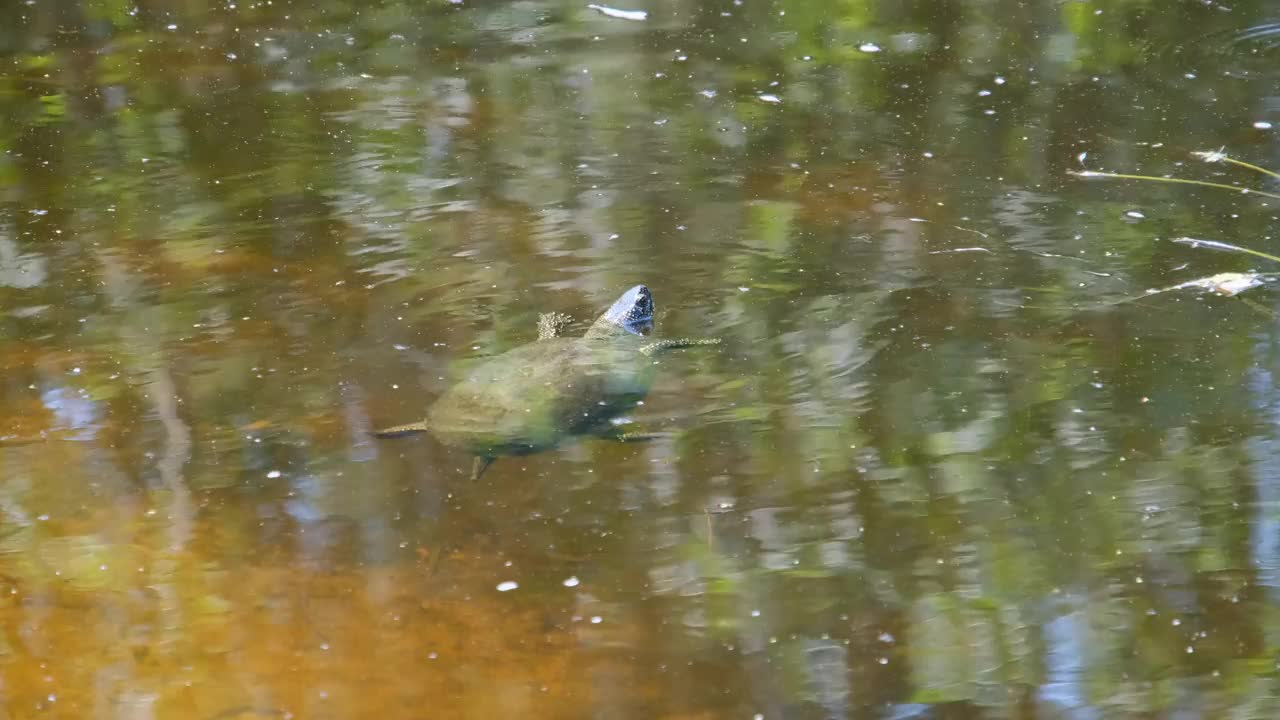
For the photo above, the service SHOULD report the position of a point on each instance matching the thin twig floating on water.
(620, 14)
(1227, 247)
(1181, 181)
(1039, 253)
(960, 250)
(979, 233)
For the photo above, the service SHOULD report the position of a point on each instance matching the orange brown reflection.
(282, 641)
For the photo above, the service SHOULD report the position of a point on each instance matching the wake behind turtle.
(536, 396)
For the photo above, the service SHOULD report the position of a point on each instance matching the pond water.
(951, 460)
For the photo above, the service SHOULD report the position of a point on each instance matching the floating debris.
(1220, 155)
(1211, 156)
(620, 14)
(771, 99)
(1226, 284)
(868, 47)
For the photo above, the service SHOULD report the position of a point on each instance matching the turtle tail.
(401, 430)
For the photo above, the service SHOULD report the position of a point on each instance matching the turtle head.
(632, 313)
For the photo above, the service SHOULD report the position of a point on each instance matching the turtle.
(534, 397)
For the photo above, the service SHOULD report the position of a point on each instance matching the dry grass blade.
(1179, 181)
(1226, 247)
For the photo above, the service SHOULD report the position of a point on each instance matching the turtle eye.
(644, 304)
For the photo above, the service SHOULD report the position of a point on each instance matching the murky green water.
(936, 470)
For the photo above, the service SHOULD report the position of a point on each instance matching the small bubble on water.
(869, 47)
(1262, 125)
(1135, 214)
(571, 581)
(273, 474)
(507, 586)
(596, 619)
(771, 99)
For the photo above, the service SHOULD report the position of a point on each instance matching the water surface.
(936, 470)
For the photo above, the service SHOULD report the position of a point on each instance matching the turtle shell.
(531, 398)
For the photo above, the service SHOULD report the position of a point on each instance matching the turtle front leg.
(658, 346)
(552, 325)
(401, 430)
(628, 436)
